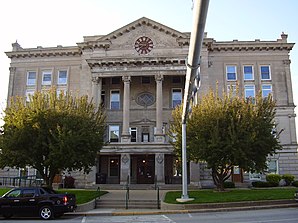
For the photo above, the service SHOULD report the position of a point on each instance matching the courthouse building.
(137, 73)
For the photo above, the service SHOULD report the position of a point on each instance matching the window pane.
(248, 73)
(115, 100)
(46, 78)
(266, 90)
(62, 77)
(114, 133)
(31, 78)
(231, 72)
(249, 91)
(265, 73)
(176, 97)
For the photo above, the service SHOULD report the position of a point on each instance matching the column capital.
(95, 80)
(126, 78)
(159, 77)
(12, 69)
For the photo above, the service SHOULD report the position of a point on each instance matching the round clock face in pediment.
(143, 45)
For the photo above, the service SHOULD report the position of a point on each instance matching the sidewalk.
(178, 208)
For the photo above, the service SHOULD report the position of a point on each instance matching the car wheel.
(6, 216)
(45, 212)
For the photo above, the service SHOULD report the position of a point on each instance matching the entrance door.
(145, 169)
(237, 176)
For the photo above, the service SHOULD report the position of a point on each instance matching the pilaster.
(159, 136)
(125, 136)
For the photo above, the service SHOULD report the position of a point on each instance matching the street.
(288, 215)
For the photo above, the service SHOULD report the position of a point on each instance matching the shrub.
(288, 179)
(69, 182)
(273, 178)
(229, 184)
(295, 183)
(263, 184)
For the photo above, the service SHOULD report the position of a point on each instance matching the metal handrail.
(158, 199)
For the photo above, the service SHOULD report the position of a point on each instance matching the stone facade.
(137, 74)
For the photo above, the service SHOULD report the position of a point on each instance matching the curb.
(214, 208)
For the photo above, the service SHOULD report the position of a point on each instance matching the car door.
(10, 203)
(29, 201)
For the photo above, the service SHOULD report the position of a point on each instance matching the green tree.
(227, 131)
(51, 133)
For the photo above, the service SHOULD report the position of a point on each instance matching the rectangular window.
(28, 93)
(249, 91)
(145, 137)
(114, 133)
(176, 97)
(272, 166)
(145, 80)
(133, 134)
(231, 72)
(266, 90)
(46, 77)
(231, 89)
(62, 77)
(103, 98)
(115, 100)
(31, 78)
(59, 91)
(114, 167)
(265, 72)
(248, 72)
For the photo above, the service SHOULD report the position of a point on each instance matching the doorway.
(145, 168)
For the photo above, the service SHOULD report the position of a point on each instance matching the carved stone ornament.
(145, 99)
(159, 159)
(125, 159)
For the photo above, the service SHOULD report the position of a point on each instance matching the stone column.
(94, 90)
(99, 90)
(159, 136)
(12, 71)
(124, 168)
(160, 168)
(288, 81)
(195, 174)
(125, 136)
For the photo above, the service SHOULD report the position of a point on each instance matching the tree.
(227, 131)
(51, 133)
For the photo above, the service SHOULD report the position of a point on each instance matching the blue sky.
(64, 22)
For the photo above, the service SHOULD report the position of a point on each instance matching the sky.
(49, 23)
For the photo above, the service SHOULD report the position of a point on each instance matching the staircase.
(121, 204)
(132, 199)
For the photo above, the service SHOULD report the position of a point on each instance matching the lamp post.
(193, 63)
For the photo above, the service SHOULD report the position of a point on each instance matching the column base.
(125, 138)
(160, 138)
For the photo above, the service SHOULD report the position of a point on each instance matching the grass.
(233, 195)
(83, 196)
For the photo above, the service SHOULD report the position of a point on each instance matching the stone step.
(132, 204)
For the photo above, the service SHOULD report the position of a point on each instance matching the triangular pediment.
(144, 22)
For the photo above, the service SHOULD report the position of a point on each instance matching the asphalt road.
(285, 215)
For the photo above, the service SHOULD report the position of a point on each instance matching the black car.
(36, 201)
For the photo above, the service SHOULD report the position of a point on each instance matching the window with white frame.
(29, 92)
(231, 89)
(249, 91)
(265, 72)
(31, 78)
(176, 97)
(115, 100)
(62, 77)
(59, 91)
(272, 166)
(231, 72)
(266, 90)
(114, 133)
(47, 77)
(133, 134)
(248, 72)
